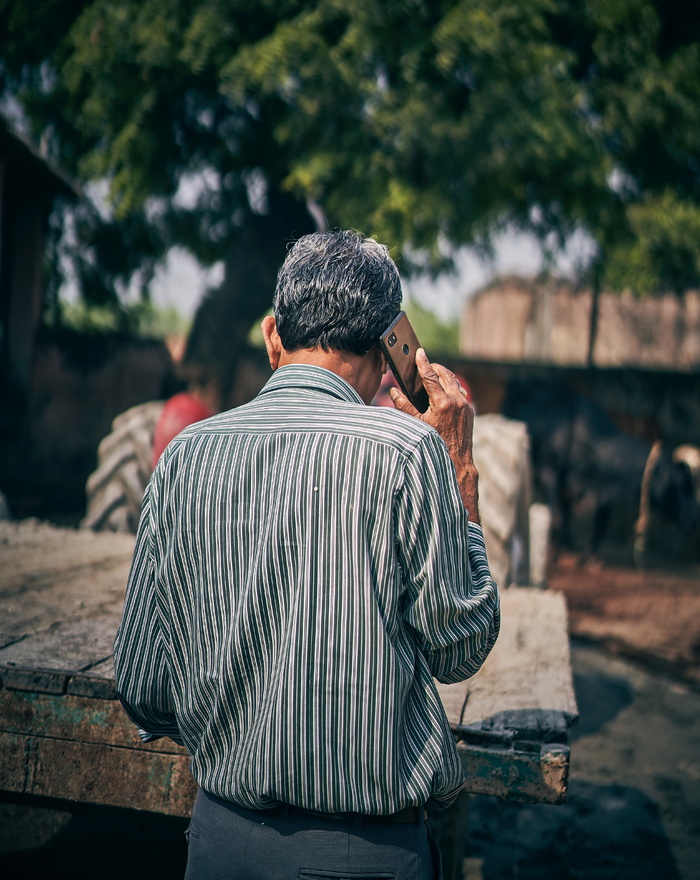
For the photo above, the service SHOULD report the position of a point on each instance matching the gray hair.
(337, 291)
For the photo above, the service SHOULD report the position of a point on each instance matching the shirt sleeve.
(452, 600)
(140, 661)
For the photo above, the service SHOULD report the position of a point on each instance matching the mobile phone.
(399, 344)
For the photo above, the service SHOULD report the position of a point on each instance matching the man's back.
(305, 553)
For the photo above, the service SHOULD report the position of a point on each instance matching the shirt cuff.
(478, 558)
(149, 737)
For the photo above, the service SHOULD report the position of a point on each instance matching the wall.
(519, 320)
(646, 404)
(78, 385)
(591, 431)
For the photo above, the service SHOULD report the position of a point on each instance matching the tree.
(430, 123)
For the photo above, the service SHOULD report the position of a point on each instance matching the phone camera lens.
(405, 348)
(392, 339)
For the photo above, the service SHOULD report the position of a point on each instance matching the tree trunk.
(595, 303)
(226, 314)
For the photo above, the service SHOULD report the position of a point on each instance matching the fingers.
(439, 382)
(451, 414)
(448, 380)
(402, 403)
(444, 390)
(426, 370)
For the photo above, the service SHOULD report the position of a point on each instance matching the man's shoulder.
(383, 425)
(387, 422)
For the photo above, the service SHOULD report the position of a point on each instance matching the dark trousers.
(227, 842)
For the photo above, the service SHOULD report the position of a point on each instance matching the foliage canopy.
(428, 123)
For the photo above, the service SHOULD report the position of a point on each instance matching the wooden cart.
(64, 735)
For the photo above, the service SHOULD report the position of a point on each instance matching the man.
(304, 565)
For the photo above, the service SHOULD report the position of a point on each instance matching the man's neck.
(363, 372)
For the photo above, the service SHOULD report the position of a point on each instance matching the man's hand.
(452, 416)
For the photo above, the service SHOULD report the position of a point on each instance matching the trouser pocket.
(343, 875)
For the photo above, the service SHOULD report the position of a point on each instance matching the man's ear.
(273, 343)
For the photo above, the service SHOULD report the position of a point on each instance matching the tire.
(114, 491)
(502, 457)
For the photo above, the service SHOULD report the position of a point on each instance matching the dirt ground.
(633, 808)
(651, 615)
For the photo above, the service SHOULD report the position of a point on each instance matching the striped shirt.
(304, 566)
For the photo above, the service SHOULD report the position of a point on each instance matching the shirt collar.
(311, 378)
